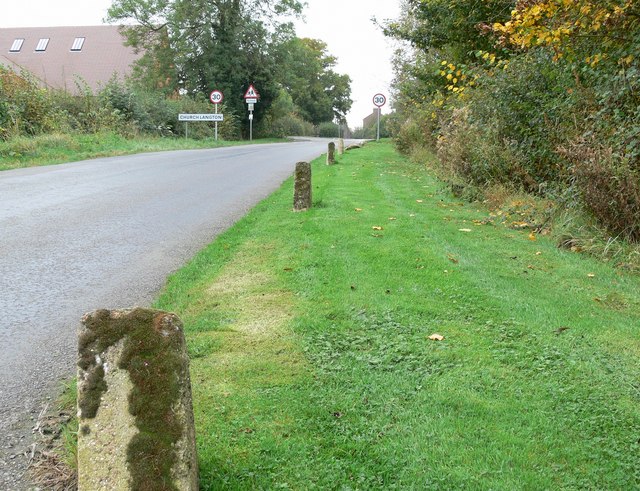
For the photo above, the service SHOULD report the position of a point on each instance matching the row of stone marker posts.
(302, 191)
(135, 412)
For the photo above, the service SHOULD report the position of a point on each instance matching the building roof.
(65, 58)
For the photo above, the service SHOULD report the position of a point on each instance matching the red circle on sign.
(379, 100)
(216, 97)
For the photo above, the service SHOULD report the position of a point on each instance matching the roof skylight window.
(77, 44)
(17, 45)
(42, 44)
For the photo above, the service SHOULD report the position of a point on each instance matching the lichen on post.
(331, 153)
(136, 428)
(302, 190)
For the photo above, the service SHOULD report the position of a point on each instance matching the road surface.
(105, 234)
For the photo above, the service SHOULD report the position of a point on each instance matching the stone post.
(340, 146)
(331, 154)
(302, 187)
(136, 427)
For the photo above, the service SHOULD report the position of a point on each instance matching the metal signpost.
(216, 98)
(251, 97)
(379, 100)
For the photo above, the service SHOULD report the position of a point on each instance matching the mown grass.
(312, 365)
(59, 148)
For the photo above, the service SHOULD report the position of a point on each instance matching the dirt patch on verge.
(255, 343)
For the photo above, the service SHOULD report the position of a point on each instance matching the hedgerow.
(541, 96)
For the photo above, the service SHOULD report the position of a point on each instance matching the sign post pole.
(379, 100)
(251, 97)
(216, 98)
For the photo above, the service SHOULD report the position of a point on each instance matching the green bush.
(524, 111)
(25, 108)
(608, 186)
(289, 125)
(328, 130)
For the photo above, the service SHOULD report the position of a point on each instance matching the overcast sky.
(345, 25)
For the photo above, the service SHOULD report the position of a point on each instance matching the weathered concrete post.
(331, 154)
(136, 428)
(302, 187)
(340, 146)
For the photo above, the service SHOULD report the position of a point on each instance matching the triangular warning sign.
(251, 93)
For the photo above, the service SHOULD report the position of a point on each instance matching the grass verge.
(312, 365)
(59, 148)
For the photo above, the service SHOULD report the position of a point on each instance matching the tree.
(306, 72)
(443, 25)
(193, 46)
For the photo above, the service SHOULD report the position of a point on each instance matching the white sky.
(345, 25)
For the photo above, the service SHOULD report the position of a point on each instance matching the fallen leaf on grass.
(392, 218)
(464, 230)
(452, 259)
(358, 209)
(561, 329)
(591, 275)
(419, 201)
(377, 228)
(436, 337)
(532, 236)
(538, 253)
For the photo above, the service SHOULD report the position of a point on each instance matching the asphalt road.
(105, 234)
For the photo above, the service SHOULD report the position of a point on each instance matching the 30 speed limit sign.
(216, 97)
(379, 100)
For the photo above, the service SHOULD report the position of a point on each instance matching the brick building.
(61, 56)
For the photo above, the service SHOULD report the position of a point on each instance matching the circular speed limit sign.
(216, 97)
(379, 100)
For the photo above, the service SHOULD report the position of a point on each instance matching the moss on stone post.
(331, 154)
(136, 428)
(302, 187)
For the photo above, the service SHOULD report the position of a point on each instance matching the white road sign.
(251, 100)
(379, 100)
(251, 93)
(200, 117)
(216, 97)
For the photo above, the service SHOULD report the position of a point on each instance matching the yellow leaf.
(377, 228)
(464, 230)
(532, 236)
(436, 337)
(358, 209)
(591, 275)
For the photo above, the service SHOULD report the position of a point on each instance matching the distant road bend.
(105, 234)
